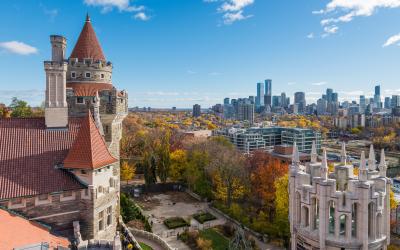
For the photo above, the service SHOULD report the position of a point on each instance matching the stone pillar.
(348, 227)
(323, 216)
(362, 227)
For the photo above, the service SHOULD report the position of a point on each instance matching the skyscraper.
(363, 104)
(283, 100)
(246, 112)
(196, 110)
(329, 93)
(226, 101)
(377, 96)
(300, 100)
(260, 94)
(268, 92)
(387, 103)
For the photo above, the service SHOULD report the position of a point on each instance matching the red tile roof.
(88, 88)
(89, 150)
(87, 45)
(16, 231)
(28, 155)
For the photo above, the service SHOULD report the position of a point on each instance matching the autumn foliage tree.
(265, 170)
(127, 172)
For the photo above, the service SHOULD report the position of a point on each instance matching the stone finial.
(362, 171)
(371, 158)
(96, 114)
(324, 165)
(314, 154)
(87, 17)
(382, 165)
(295, 155)
(343, 154)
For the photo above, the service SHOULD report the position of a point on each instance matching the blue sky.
(180, 52)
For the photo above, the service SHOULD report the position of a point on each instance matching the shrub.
(204, 244)
(203, 217)
(175, 222)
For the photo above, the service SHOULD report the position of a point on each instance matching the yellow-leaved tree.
(221, 190)
(178, 165)
(127, 172)
(282, 208)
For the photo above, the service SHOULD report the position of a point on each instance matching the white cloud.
(310, 36)
(19, 48)
(291, 83)
(141, 16)
(34, 97)
(214, 73)
(319, 83)
(191, 72)
(343, 11)
(232, 9)
(121, 5)
(392, 40)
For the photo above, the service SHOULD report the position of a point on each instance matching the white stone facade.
(339, 210)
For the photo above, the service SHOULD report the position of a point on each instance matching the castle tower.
(90, 90)
(56, 108)
(338, 210)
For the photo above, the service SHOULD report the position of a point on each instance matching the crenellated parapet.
(338, 209)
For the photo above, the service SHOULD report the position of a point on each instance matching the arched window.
(315, 211)
(331, 225)
(298, 208)
(342, 225)
(306, 216)
(354, 215)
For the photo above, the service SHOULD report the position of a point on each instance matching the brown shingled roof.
(89, 150)
(87, 45)
(28, 155)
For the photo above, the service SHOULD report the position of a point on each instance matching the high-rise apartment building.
(321, 106)
(363, 104)
(245, 112)
(387, 104)
(226, 101)
(300, 100)
(377, 96)
(196, 110)
(260, 94)
(284, 104)
(268, 92)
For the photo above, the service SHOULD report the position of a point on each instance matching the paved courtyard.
(172, 204)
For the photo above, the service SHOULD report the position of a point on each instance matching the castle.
(63, 169)
(339, 210)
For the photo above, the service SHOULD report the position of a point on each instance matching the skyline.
(220, 50)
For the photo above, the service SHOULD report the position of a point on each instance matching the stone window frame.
(90, 74)
(13, 205)
(73, 74)
(80, 98)
(101, 221)
(102, 76)
(109, 213)
(40, 201)
(64, 197)
(85, 194)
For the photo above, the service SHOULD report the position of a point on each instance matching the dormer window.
(73, 74)
(88, 75)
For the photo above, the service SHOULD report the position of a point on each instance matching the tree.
(20, 108)
(227, 165)
(281, 221)
(264, 172)
(163, 153)
(149, 168)
(178, 165)
(127, 172)
(393, 202)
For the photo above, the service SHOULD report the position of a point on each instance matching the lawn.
(219, 242)
(175, 222)
(203, 217)
(144, 246)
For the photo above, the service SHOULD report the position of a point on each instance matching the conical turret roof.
(87, 45)
(89, 150)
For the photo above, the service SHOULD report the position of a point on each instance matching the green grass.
(203, 217)
(219, 242)
(175, 222)
(144, 246)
